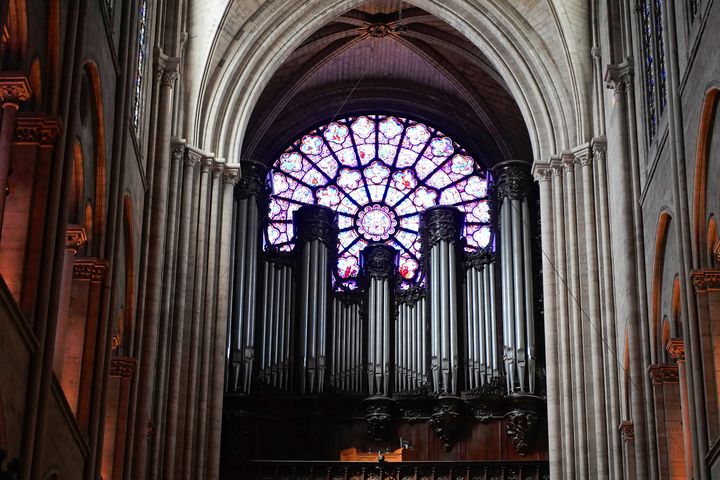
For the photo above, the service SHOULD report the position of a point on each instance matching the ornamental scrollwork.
(447, 420)
(379, 261)
(252, 181)
(315, 222)
(520, 426)
(513, 181)
(479, 258)
(440, 224)
(378, 415)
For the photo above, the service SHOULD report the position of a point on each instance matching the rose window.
(378, 173)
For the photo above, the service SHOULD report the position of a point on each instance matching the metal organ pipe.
(250, 192)
(440, 229)
(379, 265)
(316, 228)
(516, 270)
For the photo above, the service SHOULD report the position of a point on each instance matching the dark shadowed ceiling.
(387, 56)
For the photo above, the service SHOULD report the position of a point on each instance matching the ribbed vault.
(504, 70)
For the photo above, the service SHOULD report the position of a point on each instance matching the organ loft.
(359, 239)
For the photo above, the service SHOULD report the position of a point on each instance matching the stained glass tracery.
(378, 172)
(141, 60)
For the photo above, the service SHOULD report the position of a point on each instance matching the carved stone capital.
(90, 269)
(568, 161)
(676, 349)
(542, 173)
(192, 157)
(14, 89)
(36, 129)
(253, 180)
(206, 164)
(177, 151)
(378, 415)
(167, 69)
(378, 261)
(218, 168)
(440, 223)
(513, 179)
(627, 430)
(520, 426)
(122, 367)
(599, 149)
(75, 237)
(316, 222)
(619, 77)
(661, 373)
(704, 280)
(716, 251)
(231, 174)
(447, 419)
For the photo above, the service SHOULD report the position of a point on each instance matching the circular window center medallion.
(376, 222)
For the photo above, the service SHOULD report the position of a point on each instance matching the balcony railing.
(426, 470)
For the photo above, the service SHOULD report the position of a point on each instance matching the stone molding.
(662, 373)
(14, 88)
(75, 237)
(89, 269)
(122, 367)
(704, 280)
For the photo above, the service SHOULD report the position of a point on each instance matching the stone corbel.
(14, 88)
(676, 349)
(75, 237)
(619, 77)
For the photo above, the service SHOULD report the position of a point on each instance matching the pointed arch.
(656, 346)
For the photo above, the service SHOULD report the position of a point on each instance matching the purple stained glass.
(378, 172)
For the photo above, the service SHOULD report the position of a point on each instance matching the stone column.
(124, 368)
(168, 70)
(251, 203)
(189, 446)
(517, 277)
(14, 89)
(74, 239)
(231, 175)
(576, 320)
(593, 312)
(440, 230)
(190, 191)
(316, 231)
(209, 324)
(560, 271)
(543, 175)
(379, 263)
(676, 350)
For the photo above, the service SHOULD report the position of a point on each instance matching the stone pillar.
(251, 203)
(600, 439)
(190, 192)
(440, 230)
(209, 324)
(316, 231)
(543, 175)
(379, 263)
(676, 350)
(168, 70)
(74, 239)
(231, 175)
(513, 183)
(189, 446)
(14, 89)
(123, 370)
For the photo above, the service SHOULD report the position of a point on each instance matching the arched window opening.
(140, 66)
(654, 71)
(378, 172)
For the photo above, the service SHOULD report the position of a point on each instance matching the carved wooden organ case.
(462, 343)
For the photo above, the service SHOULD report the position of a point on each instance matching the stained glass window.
(653, 52)
(141, 62)
(378, 172)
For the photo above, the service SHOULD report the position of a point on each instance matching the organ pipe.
(379, 266)
(480, 318)
(516, 272)
(346, 343)
(276, 321)
(316, 230)
(440, 229)
(410, 339)
(250, 197)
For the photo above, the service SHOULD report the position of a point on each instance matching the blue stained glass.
(141, 60)
(389, 170)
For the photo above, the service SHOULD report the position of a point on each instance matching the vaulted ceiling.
(388, 56)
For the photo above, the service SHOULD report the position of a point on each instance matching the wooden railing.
(427, 470)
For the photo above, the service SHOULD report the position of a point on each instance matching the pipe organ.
(468, 322)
